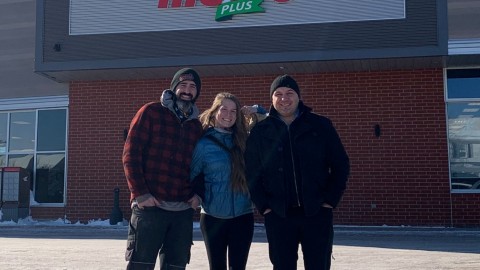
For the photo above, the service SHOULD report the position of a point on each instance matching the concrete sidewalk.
(360, 248)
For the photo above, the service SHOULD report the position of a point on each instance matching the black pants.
(153, 230)
(315, 234)
(234, 234)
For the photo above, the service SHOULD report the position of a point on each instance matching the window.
(36, 140)
(3, 138)
(463, 111)
(50, 178)
(51, 130)
(22, 132)
(50, 165)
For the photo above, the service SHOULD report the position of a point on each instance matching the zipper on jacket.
(293, 165)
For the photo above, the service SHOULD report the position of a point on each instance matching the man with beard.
(156, 160)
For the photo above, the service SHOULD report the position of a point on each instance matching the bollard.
(116, 215)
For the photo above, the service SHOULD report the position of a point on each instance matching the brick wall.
(399, 178)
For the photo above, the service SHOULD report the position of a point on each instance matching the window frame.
(10, 106)
(449, 101)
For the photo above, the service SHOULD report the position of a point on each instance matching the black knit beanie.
(186, 74)
(284, 81)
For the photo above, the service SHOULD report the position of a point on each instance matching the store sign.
(225, 8)
(192, 3)
(89, 17)
(229, 9)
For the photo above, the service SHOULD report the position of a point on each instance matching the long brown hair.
(239, 135)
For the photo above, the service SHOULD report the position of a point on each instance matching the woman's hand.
(195, 202)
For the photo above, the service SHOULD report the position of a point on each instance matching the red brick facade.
(399, 178)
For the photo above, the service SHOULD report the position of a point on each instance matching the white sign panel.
(123, 16)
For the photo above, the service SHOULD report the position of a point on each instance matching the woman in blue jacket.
(226, 219)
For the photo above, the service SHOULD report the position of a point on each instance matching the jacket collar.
(302, 108)
(167, 99)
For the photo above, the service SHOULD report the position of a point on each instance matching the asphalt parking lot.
(359, 248)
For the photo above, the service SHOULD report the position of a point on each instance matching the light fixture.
(377, 130)
(57, 47)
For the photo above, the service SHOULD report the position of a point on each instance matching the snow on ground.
(29, 221)
(59, 222)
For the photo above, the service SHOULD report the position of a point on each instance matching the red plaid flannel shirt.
(158, 152)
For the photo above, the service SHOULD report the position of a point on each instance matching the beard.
(184, 105)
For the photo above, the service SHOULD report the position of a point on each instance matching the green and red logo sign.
(228, 9)
(225, 8)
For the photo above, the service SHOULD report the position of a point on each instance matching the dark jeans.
(315, 234)
(153, 230)
(234, 234)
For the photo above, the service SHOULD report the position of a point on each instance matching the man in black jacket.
(297, 171)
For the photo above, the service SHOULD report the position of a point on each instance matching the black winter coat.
(317, 159)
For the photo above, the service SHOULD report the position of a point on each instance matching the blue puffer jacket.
(211, 159)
